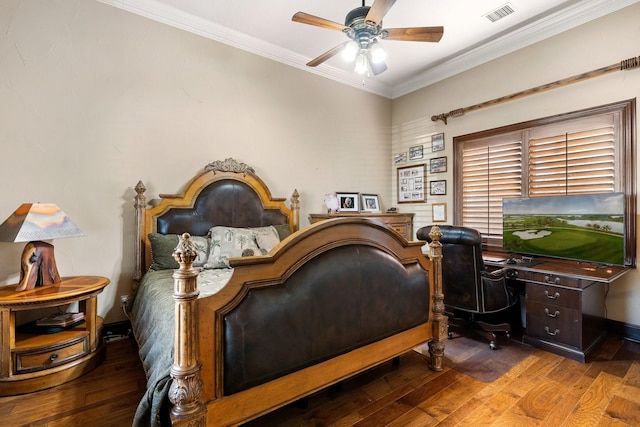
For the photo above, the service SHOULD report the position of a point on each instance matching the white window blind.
(572, 163)
(491, 172)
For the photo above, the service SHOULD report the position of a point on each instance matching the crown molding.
(563, 20)
(176, 18)
(527, 35)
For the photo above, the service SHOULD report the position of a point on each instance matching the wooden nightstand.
(35, 361)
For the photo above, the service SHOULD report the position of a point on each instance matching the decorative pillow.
(266, 237)
(283, 230)
(163, 246)
(229, 242)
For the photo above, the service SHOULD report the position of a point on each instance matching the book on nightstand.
(60, 319)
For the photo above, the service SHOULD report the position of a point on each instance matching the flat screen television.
(579, 227)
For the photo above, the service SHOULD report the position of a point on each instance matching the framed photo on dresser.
(349, 202)
(370, 203)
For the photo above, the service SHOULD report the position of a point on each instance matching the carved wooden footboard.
(198, 392)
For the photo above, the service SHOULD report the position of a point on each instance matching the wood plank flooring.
(543, 390)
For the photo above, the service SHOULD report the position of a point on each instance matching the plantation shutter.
(573, 163)
(490, 173)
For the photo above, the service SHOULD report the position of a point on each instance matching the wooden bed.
(329, 301)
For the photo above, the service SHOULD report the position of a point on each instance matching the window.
(584, 152)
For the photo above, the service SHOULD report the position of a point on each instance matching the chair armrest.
(496, 274)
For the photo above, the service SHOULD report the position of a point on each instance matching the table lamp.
(34, 222)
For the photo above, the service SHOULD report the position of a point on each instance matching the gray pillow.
(163, 245)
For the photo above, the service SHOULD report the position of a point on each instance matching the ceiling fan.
(363, 25)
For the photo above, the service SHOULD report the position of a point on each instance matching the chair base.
(484, 329)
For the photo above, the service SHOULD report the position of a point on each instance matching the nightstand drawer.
(45, 358)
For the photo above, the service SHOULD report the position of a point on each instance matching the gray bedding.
(152, 318)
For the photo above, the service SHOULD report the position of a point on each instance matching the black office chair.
(468, 288)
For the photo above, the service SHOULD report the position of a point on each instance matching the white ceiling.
(470, 39)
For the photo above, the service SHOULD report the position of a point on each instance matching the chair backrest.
(462, 266)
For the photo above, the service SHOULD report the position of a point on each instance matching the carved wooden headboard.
(226, 193)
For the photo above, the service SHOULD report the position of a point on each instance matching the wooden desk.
(401, 222)
(565, 302)
(31, 361)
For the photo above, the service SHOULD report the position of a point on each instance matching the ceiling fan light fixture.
(350, 51)
(362, 64)
(378, 54)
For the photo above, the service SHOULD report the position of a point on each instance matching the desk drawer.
(48, 357)
(553, 279)
(554, 323)
(553, 295)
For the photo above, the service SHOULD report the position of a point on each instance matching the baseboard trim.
(624, 330)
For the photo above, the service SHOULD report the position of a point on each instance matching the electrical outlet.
(124, 299)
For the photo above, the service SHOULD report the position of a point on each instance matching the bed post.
(295, 209)
(186, 388)
(436, 346)
(140, 206)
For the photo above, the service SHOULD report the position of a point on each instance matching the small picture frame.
(439, 212)
(399, 158)
(438, 188)
(412, 184)
(438, 164)
(349, 202)
(415, 153)
(437, 142)
(370, 203)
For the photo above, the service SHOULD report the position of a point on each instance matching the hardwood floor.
(542, 390)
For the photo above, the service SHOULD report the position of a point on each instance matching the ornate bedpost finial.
(186, 251)
(295, 208)
(140, 188)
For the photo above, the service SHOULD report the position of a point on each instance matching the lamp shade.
(38, 221)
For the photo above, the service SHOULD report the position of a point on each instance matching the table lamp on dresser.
(33, 223)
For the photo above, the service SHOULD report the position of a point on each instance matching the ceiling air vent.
(499, 13)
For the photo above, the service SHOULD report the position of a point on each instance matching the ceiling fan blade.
(378, 10)
(416, 34)
(305, 18)
(327, 55)
(376, 68)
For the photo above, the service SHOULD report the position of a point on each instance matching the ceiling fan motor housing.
(360, 30)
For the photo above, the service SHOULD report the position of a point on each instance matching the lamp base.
(38, 266)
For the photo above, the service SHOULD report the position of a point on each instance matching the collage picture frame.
(411, 183)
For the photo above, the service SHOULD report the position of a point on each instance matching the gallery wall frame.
(438, 187)
(399, 158)
(438, 164)
(411, 184)
(415, 152)
(439, 212)
(437, 142)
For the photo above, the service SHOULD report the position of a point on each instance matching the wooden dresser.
(401, 222)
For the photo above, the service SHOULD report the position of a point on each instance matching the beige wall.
(93, 99)
(598, 44)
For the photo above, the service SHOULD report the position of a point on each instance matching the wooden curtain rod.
(625, 64)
